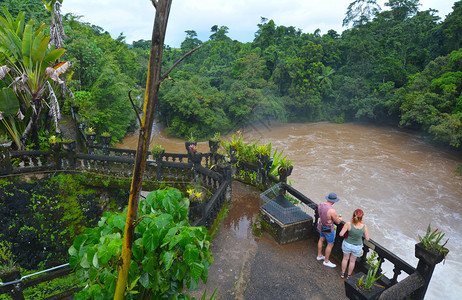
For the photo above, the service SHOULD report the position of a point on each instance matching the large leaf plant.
(28, 67)
(168, 254)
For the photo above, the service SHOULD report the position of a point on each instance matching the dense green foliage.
(380, 70)
(42, 217)
(104, 71)
(398, 66)
(168, 254)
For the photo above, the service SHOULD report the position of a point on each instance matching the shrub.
(168, 253)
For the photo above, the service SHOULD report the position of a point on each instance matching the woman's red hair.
(357, 216)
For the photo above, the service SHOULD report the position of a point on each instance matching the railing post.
(5, 161)
(15, 292)
(427, 262)
(159, 175)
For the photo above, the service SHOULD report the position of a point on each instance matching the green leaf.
(144, 280)
(53, 55)
(73, 260)
(79, 241)
(163, 221)
(84, 262)
(151, 238)
(27, 45)
(92, 273)
(137, 249)
(191, 254)
(95, 261)
(104, 254)
(168, 258)
(119, 222)
(102, 221)
(9, 103)
(72, 251)
(196, 270)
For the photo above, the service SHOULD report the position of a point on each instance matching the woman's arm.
(345, 228)
(366, 233)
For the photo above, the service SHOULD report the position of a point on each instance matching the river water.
(401, 182)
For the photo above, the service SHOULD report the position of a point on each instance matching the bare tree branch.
(134, 107)
(177, 62)
(154, 2)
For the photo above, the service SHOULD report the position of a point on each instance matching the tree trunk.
(151, 95)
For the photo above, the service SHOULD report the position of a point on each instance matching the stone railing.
(171, 167)
(413, 286)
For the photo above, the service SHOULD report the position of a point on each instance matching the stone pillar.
(427, 261)
(15, 291)
(5, 162)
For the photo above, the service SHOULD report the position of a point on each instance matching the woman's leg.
(351, 267)
(346, 257)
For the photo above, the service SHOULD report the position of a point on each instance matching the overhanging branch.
(177, 62)
(134, 107)
(154, 2)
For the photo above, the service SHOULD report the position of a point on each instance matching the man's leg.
(320, 243)
(328, 251)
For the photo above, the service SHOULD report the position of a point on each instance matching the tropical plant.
(29, 70)
(371, 277)
(157, 151)
(192, 139)
(276, 162)
(432, 241)
(7, 263)
(54, 139)
(216, 137)
(168, 254)
(90, 131)
(195, 195)
(285, 162)
(106, 134)
(263, 149)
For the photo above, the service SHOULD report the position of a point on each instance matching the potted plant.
(285, 167)
(106, 138)
(196, 199)
(263, 152)
(193, 154)
(157, 151)
(91, 134)
(55, 143)
(430, 248)
(214, 142)
(364, 286)
(190, 141)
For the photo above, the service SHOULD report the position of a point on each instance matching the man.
(327, 216)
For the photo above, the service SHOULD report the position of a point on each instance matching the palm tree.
(325, 80)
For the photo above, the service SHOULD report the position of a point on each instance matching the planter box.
(430, 257)
(106, 140)
(353, 292)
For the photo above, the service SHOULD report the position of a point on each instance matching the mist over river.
(401, 182)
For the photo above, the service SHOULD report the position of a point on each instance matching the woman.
(353, 244)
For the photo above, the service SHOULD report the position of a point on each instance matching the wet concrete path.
(250, 267)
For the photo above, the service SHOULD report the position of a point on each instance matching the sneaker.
(320, 258)
(329, 264)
